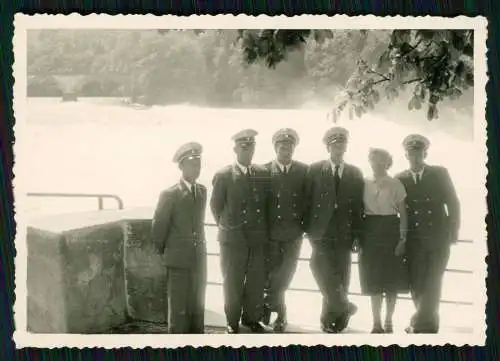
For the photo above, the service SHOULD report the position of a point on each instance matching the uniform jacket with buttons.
(239, 204)
(178, 225)
(433, 207)
(286, 201)
(324, 207)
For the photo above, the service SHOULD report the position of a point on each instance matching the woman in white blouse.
(382, 268)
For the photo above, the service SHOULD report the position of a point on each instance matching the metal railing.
(315, 290)
(100, 197)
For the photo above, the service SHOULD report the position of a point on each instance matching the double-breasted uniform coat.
(178, 232)
(332, 221)
(286, 203)
(239, 207)
(433, 222)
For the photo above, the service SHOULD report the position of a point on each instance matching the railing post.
(100, 197)
(120, 202)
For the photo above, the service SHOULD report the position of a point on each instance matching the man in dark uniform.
(238, 204)
(333, 224)
(286, 205)
(178, 233)
(433, 224)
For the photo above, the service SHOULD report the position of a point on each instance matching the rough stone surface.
(141, 327)
(95, 280)
(145, 274)
(92, 271)
(45, 282)
(76, 279)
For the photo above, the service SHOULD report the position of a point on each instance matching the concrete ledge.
(95, 278)
(88, 271)
(76, 280)
(45, 282)
(76, 272)
(145, 274)
(72, 221)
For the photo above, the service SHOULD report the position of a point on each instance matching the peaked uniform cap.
(286, 134)
(245, 136)
(191, 150)
(416, 141)
(335, 135)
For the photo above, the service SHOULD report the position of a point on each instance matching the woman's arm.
(403, 217)
(403, 220)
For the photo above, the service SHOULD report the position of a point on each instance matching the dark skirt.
(380, 270)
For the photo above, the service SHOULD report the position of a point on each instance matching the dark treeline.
(206, 68)
(349, 70)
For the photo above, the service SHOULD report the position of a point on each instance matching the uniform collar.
(187, 184)
(414, 174)
(242, 168)
(282, 166)
(341, 167)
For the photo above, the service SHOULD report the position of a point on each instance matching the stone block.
(95, 278)
(75, 273)
(145, 274)
(45, 282)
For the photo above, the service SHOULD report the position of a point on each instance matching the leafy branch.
(438, 64)
(273, 45)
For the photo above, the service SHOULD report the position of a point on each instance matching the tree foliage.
(436, 64)
(220, 67)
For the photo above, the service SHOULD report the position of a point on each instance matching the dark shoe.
(342, 322)
(255, 327)
(232, 329)
(419, 329)
(328, 328)
(426, 330)
(388, 328)
(377, 329)
(410, 329)
(266, 316)
(279, 325)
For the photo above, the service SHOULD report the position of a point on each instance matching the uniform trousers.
(243, 272)
(331, 266)
(426, 269)
(282, 258)
(186, 289)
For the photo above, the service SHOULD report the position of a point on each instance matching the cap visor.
(286, 140)
(189, 157)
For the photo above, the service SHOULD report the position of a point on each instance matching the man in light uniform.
(238, 204)
(333, 224)
(286, 206)
(433, 225)
(179, 236)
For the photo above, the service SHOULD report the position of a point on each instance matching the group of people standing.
(401, 226)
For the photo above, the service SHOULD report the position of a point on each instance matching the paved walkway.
(304, 308)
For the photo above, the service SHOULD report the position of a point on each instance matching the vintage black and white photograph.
(249, 180)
